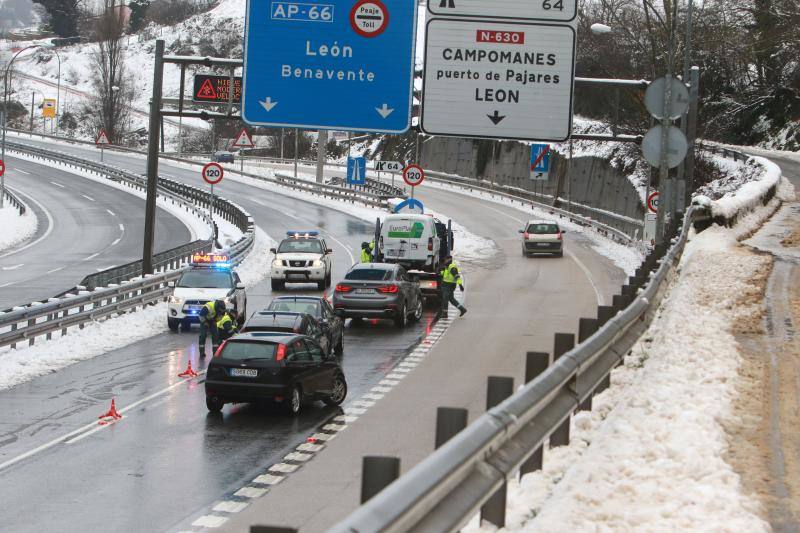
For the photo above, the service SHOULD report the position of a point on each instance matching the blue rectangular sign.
(356, 170)
(344, 65)
(540, 163)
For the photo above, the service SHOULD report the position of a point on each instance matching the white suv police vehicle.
(302, 257)
(209, 278)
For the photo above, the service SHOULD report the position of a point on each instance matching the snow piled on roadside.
(16, 228)
(650, 456)
(749, 195)
(26, 363)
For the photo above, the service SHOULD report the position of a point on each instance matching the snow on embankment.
(16, 228)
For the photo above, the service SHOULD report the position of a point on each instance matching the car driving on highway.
(378, 290)
(288, 322)
(209, 278)
(332, 325)
(542, 237)
(301, 257)
(288, 369)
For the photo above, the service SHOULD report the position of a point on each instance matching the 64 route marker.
(498, 80)
(546, 10)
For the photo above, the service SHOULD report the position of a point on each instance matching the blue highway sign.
(356, 170)
(540, 157)
(344, 64)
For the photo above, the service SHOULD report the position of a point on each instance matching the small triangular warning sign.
(102, 138)
(243, 140)
(207, 91)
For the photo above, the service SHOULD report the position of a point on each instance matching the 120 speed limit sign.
(212, 173)
(413, 175)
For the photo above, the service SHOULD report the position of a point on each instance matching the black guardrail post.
(498, 388)
(377, 473)
(272, 529)
(564, 342)
(535, 364)
(604, 314)
(449, 421)
(586, 328)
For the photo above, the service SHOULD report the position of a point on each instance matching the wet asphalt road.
(168, 457)
(84, 226)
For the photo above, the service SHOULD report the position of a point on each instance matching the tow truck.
(209, 278)
(427, 272)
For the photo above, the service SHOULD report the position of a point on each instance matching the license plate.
(193, 307)
(543, 244)
(365, 291)
(297, 276)
(428, 284)
(397, 253)
(244, 373)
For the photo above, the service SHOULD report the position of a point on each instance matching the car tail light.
(389, 289)
(343, 288)
(526, 235)
(218, 353)
(280, 353)
(560, 238)
(434, 284)
(430, 244)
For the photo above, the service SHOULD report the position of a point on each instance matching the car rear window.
(369, 274)
(540, 229)
(312, 308)
(240, 350)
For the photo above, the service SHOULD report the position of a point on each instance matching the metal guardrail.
(16, 202)
(728, 153)
(445, 490)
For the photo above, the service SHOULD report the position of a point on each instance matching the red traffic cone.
(112, 413)
(189, 372)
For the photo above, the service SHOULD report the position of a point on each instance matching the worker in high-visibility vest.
(210, 313)
(450, 277)
(366, 251)
(226, 326)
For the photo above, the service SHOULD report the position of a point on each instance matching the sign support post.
(152, 160)
(212, 174)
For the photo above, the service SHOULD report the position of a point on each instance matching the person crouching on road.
(209, 315)
(366, 252)
(226, 326)
(450, 279)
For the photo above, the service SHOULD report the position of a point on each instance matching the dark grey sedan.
(378, 290)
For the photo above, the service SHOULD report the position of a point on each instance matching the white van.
(411, 241)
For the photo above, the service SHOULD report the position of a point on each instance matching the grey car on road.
(379, 290)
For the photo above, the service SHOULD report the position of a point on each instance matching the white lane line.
(504, 214)
(54, 270)
(268, 479)
(46, 233)
(7, 284)
(250, 492)
(344, 246)
(88, 197)
(299, 457)
(22, 171)
(279, 210)
(116, 241)
(210, 521)
(121, 228)
(91, 256)
(312, 448)
(229, 507)
(283, 468)
(14, 267)
(58, 184)
(588, 276)
(333, 427)
(110, 212)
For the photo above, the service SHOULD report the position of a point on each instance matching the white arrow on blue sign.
(356, 170)
(412, 204)
(343, 64)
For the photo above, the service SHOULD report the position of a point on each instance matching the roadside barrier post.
(604, 314)
(586, 328)
(564, 342)
(377, 473)
(535, 364)
(494, 510)
(449, 421)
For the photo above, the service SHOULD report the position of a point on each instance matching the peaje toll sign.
(369, 18)
(496, 79)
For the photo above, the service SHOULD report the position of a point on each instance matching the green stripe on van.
(414, 233)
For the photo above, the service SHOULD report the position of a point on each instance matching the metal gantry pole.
(691, 129)
(58, 92)
(322, 141)
(152, 160)
(181, 89)
(663, 174)
(296, 135)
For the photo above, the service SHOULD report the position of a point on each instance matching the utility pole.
(152, 161)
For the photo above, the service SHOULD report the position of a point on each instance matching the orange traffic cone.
(112, 414)
(189, 372)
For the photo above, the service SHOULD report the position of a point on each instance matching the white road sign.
(502, 80)
(389, 166)
(554, 10)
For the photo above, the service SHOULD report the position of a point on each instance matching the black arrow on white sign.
(496, 118)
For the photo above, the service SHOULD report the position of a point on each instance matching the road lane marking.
(88, 197)
(46, 233)
(7, 284)
(121, 227)
(210, 521)
(110, 212)
(22, 171)
(588, 276)
(116, 241)
(14, 267)
(268, 479)
(250, 492)
(346, 248)
(91, 256)
(283, 468)
(229, 506)
(58, 184)
(54, 270)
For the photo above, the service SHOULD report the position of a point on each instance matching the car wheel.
(339, 349)
(560, 254)
(417, 314)
(278, 285)
(214, 403)
(174, 324)
(294, 402)
(339, 392)
(400, 319)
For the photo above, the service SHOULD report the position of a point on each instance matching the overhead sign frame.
(505, 9)
(289, 61)
(489, 121)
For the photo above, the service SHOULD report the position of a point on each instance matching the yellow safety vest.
(226, 318)
(447, 274)
(212, 311)
(366, 257)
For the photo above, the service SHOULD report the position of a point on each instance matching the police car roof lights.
(211, 260)
(305, 234)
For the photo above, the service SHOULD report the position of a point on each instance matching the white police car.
(209, 278)
(302, 257)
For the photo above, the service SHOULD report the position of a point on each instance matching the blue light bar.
(297, 234)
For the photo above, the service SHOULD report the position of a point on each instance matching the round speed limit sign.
(652, 201)
(413, 175)
(212, 173)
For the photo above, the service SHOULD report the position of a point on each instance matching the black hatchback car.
(288, 322)
(318, 307)
(288, 369)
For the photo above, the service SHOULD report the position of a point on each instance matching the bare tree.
(113, 89)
